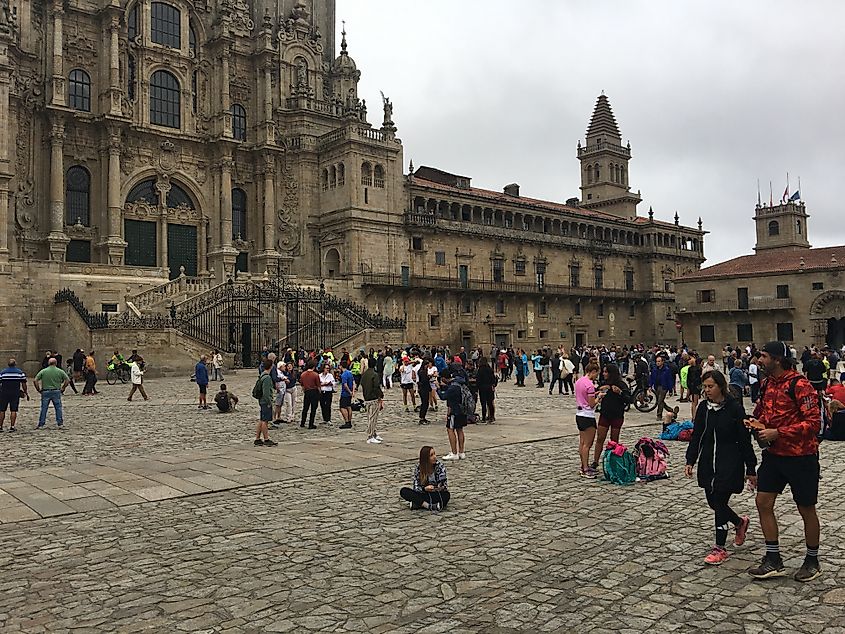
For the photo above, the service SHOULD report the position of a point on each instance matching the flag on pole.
(795, 196)
(771, 201)
(785, 194)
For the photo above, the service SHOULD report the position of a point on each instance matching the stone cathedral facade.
(143, 141)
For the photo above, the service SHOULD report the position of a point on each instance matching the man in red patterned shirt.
(787, 421)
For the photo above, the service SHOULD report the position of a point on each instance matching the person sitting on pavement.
(226, 401)
(429, 490)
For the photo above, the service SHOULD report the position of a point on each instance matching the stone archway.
(827, 313)
(332, 263)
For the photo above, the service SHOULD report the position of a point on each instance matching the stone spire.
(603, 123)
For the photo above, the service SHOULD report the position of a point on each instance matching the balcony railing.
(454, 283)
(603, 145)
(758, 303)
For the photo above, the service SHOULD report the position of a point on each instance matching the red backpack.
(651, 458)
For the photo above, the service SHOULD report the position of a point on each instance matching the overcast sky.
(713, 95)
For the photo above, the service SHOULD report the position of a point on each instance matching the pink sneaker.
(742, 530)
(716, 556)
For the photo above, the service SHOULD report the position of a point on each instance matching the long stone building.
(785, 290)
(152, 151)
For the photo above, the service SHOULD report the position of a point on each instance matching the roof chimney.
(512, 190)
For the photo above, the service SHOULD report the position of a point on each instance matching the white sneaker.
(379, 438)
(462, 456)
(372, 441)
(451, 456)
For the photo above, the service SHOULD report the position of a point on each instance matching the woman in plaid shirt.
(430, 485)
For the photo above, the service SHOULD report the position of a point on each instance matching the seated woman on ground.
(429, 489)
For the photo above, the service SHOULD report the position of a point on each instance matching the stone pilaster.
(58, 80)
(5, 157)
(268, 259)
(225, 255)
(114, 245)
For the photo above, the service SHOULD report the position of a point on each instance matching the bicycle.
(643, 398)
(120, 373)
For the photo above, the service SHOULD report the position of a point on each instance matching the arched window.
(78, 196)
(324, 179)
(589, 173)
(378, 176)
(597, 172)
(341, 175)
(618, 174)
(798, 226)
(238, 122)
(132, 23)
(332, 177)
(238, 214)
(332, 263)
(178, 197)
(164, 99)
(165, 25)
(622, 174)
(366, 174)
(144, 191)
(774, 228)
(612, 171)
(192, 41)
(79, 90)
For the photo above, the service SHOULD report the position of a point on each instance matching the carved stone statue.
(388, 110)
(301, 73)
(7, 23)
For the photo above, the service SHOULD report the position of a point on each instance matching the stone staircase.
(157, 300)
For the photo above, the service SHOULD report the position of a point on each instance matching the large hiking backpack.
(619, 467)
(467, 402)
(651, 459)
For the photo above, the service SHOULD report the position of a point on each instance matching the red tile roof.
(505, 199)
(774, 261)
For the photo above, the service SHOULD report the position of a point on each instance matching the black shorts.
(9, 402)
(801, 473)
(456, 421)
(345, 402)
(585, 422)
(408, 386)
(203, 387)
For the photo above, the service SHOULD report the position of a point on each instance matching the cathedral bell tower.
(604, 166)
(781, 226)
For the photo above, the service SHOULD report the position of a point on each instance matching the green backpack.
(258, 388)
(620, 469)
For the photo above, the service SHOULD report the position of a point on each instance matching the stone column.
(226, 166)
(202, 257)
(268, 259)
(114, 243)
(225, 101)
(57, 238)
(115, 108)
(268, 128)
(58, 96)
(163, 186)
(5, 159)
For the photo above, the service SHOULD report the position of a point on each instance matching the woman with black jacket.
(721, 445)
(486, 381)
(614, 396)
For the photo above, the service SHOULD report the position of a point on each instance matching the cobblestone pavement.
(526, 545)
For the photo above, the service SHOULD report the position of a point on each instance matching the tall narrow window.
(194, 99)
(367, 174)
(164, 99)
(238, 122)
(599, 277)
(79, 90)
(132, 23)
(238, 214)
(378, 176)
(165, 25)
(341, 175)
(192, 41)
(78, 196)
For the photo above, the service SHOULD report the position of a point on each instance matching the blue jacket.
(662, 377)
(439, 363)
(201, 373)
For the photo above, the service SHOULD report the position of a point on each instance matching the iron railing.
(94, 321)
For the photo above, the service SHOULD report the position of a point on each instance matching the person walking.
(408, 379)
(456, 418)
(721, 446)
(567, 373)
(12, 385)
(661, 380)
(787, 419)
(424, 388)
(430, 486)
(327, 383)
(521, 370)
(267, 395)
(90, 373)
(373, 402)
(487, 381)
(290, 377)
(50, 382)
(693, 384)
(388, 368)
(585, 417)
(537, 360)
(217, 365)
(136, 375)
(737, 380)
(616, 395)
(556, 378)
(201, 377)
(310, 382)
(754, 377)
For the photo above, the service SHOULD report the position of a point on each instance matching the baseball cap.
(777, 349)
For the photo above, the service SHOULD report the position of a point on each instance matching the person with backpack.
(585, 417)
(225, 400)
(616, 395)
(429, 490)
(487, 382)
(265, 392)
(787, 419)
(721, 446)
(458, 399)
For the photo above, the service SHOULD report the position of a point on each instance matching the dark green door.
(181, 249)
(140, 239)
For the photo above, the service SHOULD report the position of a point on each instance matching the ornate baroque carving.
(288, 215)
